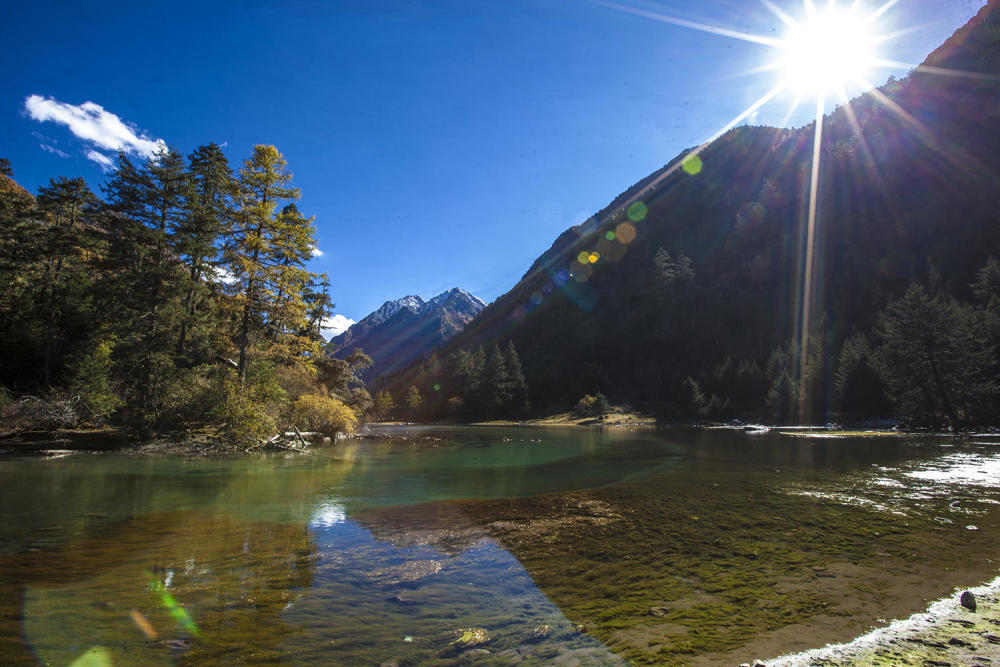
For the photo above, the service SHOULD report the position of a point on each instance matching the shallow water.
(565, 545)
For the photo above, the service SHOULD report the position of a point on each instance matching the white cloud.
(334, 326)
(92, 123)
(53, 150)
(316, 252)
(224, 276)
(101, 159)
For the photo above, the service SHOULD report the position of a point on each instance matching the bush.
(326, 415)
(244, 420)
(92, 382)
(592, 406)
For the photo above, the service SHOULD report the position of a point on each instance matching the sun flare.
(831, 50)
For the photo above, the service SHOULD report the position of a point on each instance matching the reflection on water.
(490, 546)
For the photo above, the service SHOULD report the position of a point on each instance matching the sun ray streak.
(791, 109)
(943, 71)
(852, 119)
(696, 151)
(889, 36)
(807, 276)
(881, 10)
(703, 27)
(780, 13)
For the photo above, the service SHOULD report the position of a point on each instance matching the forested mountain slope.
(686, 292)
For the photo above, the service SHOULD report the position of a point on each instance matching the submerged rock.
(968, 600)
(538, 633)
(471, 637)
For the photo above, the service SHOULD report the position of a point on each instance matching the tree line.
(178, 297)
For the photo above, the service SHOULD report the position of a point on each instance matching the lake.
(490, 545)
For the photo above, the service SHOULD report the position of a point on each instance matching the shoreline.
(945, 633)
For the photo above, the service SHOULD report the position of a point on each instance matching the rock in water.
(968, 600)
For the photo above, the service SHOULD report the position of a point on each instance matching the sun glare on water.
(831, 50)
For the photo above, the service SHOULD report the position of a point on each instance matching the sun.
(831, 50)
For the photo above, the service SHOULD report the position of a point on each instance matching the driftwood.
(283, 440)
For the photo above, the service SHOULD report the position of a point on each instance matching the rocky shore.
(961, 630)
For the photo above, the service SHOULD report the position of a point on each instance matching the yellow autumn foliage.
(314, 412)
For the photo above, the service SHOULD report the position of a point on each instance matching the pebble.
(968, 600)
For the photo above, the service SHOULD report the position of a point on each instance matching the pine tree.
(518, 402)
(383, 406)
(146, 208)
(413, 401)
(266, 254)
(208, 204)
(933, 357)
(497, 383)
(64, 206)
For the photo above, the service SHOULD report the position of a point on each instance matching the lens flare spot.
(637, 212)
(143, 624)
(96, 656)
(520, 312)
(548, 288)
(437, 387)
(583, 257)
(609, 235)
(692, 165)
(563, 275)
(625, 232)
(593, 257)
(537, 298)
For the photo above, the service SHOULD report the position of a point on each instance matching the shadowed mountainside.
(698, 272)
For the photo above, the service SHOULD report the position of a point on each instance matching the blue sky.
(439, 144)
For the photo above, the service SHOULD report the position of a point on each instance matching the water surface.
(564, 545)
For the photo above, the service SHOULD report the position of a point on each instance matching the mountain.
(407, 329)
(688, 286)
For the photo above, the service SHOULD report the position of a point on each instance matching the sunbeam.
(711, 29)
(830, 48)
(806, 293)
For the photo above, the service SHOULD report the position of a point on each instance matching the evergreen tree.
(933, 358)
(518, 403)
(207, 215)
(413, 401)
(146, 208)
(383, 405)
(266, 256)
(64, 206)
(497, 384)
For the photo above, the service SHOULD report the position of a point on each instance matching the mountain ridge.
(402, 330)
(908, 180)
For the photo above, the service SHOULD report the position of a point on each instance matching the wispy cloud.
(103, 160)
(334, 326)
(52, 149)
(94, 124)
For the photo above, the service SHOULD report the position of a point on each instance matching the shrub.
(592, 406)
(92, 383)
(244, 420)
(326, 415)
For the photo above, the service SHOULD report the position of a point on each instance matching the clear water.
(569, 546)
